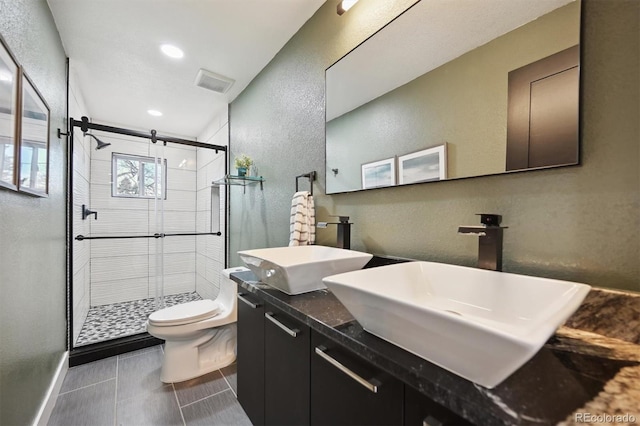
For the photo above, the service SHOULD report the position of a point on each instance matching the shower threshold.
(108, 322)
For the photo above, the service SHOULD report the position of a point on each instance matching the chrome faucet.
(344, 231)
(489, 241)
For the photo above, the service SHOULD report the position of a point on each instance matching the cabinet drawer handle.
(320, 350)
(290, 332)
(248, 302)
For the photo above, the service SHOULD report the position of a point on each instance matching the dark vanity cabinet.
(347, 390)
(273, 364)
(289, 374)
(251, 356)
(286, 378)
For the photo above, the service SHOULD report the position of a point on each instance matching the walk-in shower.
(147, 229)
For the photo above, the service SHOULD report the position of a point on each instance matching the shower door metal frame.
(96, 351)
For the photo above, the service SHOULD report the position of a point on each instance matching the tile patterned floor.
(126, 390)
(108, 322)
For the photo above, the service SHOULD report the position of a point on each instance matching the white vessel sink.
(481, 325)
(300, 269)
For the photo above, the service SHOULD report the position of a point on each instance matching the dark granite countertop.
(577, 373)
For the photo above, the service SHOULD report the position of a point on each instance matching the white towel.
(303, 220)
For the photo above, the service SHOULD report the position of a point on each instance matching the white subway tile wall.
(123, 270)
(210, 249)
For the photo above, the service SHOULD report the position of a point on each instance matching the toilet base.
(208, 351)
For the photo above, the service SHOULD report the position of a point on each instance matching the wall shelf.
(244, 181)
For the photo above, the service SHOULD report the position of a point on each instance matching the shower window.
(33, 159)
(7, 159)
(135, 176)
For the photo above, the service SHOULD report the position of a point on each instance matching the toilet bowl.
(199, 336)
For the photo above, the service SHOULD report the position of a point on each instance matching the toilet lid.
(185, 313)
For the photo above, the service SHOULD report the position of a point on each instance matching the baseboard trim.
(52, 394)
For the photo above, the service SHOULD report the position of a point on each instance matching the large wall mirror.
(455, 89)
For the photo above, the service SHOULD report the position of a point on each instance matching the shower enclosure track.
(85, 125)
(82, 237)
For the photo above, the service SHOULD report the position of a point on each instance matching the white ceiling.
(114, 48)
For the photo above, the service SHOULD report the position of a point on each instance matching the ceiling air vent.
(212, 81)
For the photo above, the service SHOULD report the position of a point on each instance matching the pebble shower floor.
(115, 320)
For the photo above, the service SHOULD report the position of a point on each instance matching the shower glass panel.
(153, 178)
(155, 240)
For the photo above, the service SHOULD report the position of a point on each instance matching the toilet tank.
(228, 289)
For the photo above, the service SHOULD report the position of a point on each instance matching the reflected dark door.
(542, 120)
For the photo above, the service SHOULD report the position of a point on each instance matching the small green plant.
(243, 161)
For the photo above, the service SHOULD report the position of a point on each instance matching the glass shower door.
(158, 207)
(118, 254)
(153, 238)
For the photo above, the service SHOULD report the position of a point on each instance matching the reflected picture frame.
(33, 147)
(378, 174)
(9, 117)
(426, 165)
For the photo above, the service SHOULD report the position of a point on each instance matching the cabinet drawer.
(347, 390)
(287, 369)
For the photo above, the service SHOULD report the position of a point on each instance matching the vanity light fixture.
(172, 51)
(154, 112)
(345, 5)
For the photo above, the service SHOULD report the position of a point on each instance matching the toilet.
(200, 336)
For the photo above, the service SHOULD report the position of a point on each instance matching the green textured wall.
(578, 223)
(32, 232)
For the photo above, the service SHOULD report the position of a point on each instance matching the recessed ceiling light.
(172, 51)
(154, 112)
(5, 77)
